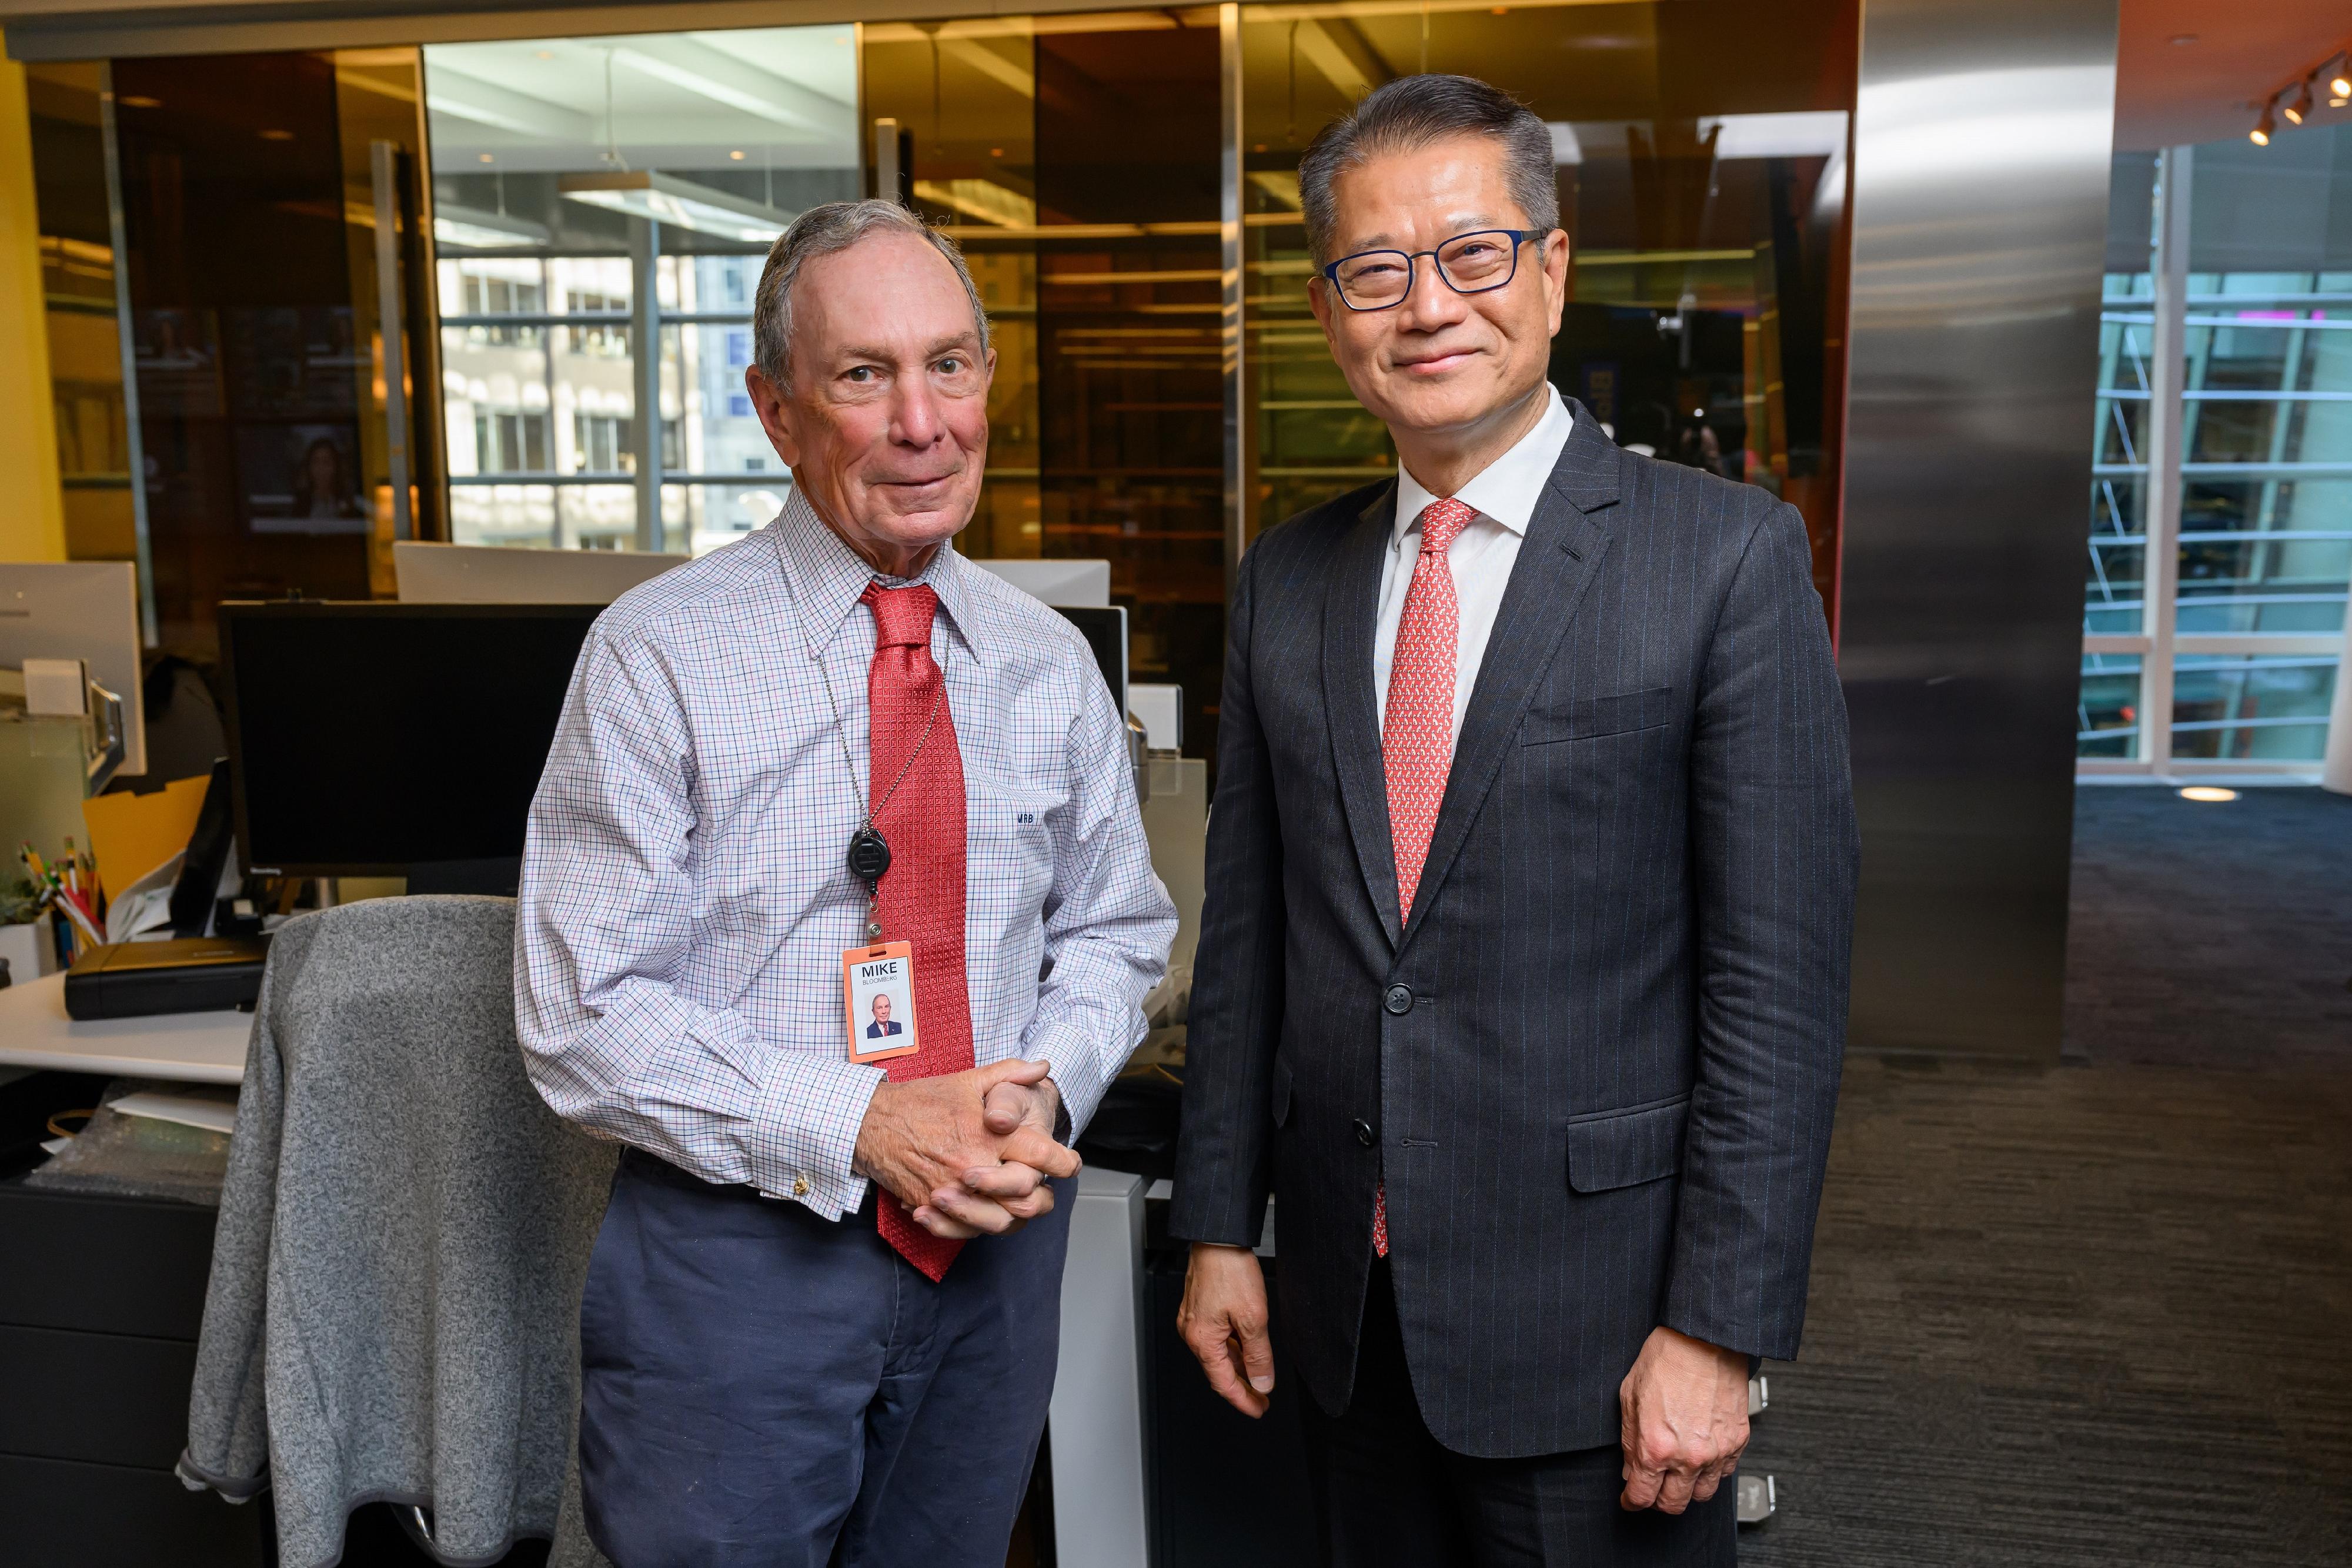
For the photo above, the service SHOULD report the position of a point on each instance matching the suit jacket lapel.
(1350, 609)
(1556, 562)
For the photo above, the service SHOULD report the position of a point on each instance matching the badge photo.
(877, 989)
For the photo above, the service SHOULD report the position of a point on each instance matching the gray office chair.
(393, 1310)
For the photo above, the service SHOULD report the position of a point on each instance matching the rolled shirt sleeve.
(607, 918)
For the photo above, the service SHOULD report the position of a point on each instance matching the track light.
(2300, 110)
(2340, 84)
(2260, 134)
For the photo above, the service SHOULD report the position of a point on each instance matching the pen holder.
(31, 950)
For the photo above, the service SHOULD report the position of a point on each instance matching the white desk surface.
(192, 1048)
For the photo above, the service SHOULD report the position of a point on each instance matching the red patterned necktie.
(1417, 730)
(922, 895)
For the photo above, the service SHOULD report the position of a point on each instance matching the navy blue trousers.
(761, 1388)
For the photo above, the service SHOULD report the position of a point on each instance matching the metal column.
(117, 236)
(1240, 489)
(1983, 130)
(383, 162)
(644, 351)
(2167, 374)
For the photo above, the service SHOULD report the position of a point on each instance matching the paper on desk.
(188, 1110)
(145, 906)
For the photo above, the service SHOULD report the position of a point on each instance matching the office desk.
(193, 1048)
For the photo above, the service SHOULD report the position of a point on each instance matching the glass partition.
(1702, 157)
(1075, 159)
(261, 198)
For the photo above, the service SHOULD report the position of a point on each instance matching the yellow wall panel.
(32, 514)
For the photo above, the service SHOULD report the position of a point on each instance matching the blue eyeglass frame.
(1331, 273)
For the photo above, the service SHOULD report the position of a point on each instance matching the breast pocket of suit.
(1595, 718)
(1614, 1149)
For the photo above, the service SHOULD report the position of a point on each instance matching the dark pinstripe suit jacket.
(1599, 1066)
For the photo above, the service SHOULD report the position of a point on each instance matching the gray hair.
(821, 231)
(1414, 112)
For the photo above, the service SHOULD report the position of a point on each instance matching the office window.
(601, 445)
(510, 443)
(581, 257)
(2221, 652)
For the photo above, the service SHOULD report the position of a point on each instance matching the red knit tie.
(922, 894)
(1417, 729)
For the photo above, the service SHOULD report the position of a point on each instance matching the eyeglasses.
(1473, 263)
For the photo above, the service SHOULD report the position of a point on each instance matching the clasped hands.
(967, 1153)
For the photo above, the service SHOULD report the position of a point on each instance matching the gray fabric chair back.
(393, 1310)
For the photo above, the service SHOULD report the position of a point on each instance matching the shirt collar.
(827, 578)
(1507, 489)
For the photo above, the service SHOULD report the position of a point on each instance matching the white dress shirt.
(1504, 494)
(686, 901)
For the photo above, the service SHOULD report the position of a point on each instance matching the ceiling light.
(2260, 134)
(642, 194)
(2211, 794)
(737, 155)
(2340, 84)
(484, 158)
(2300, 110)
(476, 230)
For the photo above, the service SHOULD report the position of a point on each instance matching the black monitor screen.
(1105, 630)
(374, 738)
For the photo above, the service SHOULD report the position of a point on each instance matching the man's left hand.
(1685, 1421)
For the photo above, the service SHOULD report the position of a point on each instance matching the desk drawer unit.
(100, 1303)
(59, 1511)
(109, 1399)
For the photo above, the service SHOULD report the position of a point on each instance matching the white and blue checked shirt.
(685, 897)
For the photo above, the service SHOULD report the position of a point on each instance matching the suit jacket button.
(1398, 999)
(1363, 1131)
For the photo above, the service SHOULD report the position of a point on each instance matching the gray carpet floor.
(2211, 936)
(2097, 1313)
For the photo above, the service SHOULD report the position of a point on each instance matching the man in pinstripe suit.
(1522, 976)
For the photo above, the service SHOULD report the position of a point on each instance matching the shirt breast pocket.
(1011, 830)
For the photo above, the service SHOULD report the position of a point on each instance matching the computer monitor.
(501, 574)
(379, 739)
(1105, 630)
(1056, 581)
(85, 610)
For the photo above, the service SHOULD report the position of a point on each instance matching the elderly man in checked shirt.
(822, 1317)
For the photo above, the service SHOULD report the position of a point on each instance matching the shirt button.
(800, 1186)
(1400, 1000)
(1363, 1131)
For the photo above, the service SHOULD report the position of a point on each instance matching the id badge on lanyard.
(877, 994)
